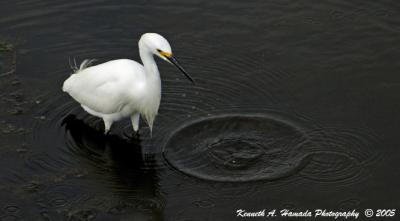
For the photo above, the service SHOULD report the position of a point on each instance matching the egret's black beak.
(175, 62)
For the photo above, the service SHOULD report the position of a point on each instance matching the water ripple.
(237, 148)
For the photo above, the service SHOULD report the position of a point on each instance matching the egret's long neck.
(150, 66)
(149, 106)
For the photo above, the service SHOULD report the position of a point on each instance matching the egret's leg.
(107, 125)
(135, 121)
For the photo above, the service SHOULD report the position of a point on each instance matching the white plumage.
(123, 88)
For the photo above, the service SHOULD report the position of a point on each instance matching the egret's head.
(159, 46)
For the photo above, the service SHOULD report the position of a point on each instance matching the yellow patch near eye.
(165, 54)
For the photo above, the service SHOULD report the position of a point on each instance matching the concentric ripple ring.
(238, 148)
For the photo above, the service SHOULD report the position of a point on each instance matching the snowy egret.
(123, 88)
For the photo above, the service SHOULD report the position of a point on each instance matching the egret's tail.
(69, 83)
(85, 64)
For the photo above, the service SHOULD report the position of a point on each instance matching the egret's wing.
(102, 88)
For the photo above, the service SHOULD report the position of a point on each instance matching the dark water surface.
(296, 106)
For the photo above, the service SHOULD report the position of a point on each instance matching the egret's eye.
(164, 53)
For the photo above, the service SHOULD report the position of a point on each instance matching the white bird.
(123, 88)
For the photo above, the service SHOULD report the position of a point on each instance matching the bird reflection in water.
(118, 164)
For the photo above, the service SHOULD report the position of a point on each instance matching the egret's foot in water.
(106, 132)
(135, 135)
